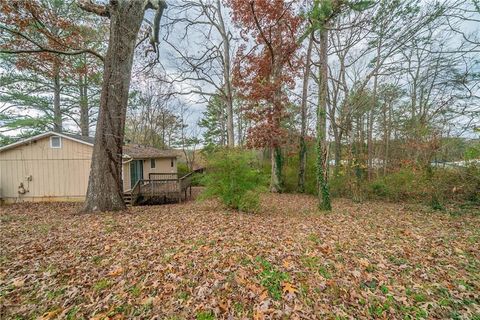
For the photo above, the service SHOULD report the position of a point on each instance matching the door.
(136, 172)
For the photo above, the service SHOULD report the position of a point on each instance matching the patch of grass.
(183, 295)
(314, 238)
(370, 268)
(398, 261)
(141, 310)
(239, 308)
(271, 278)
(419, 297)
(310, 262)
(135, 290)
(384, 289)
(111, 225)
(72, 313)
(43, 228)
(168, 255)
(245, 261)
(55, 293)
(121, 309)
(205, 315)
(323, 271)
(101, 285)
(377, 309)
(199, 243)
(372, 284)
(6, 219)
(313, 263)
(97, 260)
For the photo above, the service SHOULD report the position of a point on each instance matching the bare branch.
(90, 6)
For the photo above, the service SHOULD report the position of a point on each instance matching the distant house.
(55, 167)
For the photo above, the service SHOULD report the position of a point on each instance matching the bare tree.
(209, 71)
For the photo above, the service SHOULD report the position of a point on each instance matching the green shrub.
(250, 202)
(435, 186)
(232, 178)
(197, 179)
(379, 188)
(290, 170)
(182, 169)
(339, 186)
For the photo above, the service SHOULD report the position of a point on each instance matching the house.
(55, 167)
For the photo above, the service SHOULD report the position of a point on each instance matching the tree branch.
(260, 30)
(41, 48)
(98, 9)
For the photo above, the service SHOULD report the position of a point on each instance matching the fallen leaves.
(289, 288)
(116, 272)
(50, 315)
(362, 261)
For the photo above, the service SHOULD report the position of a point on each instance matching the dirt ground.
(198, 260)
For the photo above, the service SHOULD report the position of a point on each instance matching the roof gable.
(71, 137)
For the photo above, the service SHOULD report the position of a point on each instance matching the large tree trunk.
(105, 191)
(276, 183)
(302, 156)
(57, 111)
(338, 155)
(84, 114)
(322, 152)
(226, 77)
(371, 115)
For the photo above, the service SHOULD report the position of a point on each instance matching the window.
(152, 163)
(171, 162)
(55, 142)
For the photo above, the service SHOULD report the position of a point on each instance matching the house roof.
(138, 151)
(134, 151)
(45, 135)
(89, 140)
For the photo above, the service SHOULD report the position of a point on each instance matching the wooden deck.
(160, 188)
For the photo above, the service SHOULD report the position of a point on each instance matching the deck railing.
(162, 185)
(163, 176)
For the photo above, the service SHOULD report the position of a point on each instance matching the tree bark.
(84, 112)
(105, 190)
(302, 156)
(57, 111)
(227, 78)
(371, 117)
(322, 152)
(276, 183)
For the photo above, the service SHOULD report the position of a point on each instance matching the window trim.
(152, 163)
(59, 140)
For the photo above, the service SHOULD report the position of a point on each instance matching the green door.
(136, 171)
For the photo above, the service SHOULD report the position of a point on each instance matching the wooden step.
(127, 198)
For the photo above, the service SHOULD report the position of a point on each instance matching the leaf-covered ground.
(199, 261)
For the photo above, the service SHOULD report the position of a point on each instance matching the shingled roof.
(137, 151)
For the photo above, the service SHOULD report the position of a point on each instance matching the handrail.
(134, 191)
(174, 175)
(176, 185)
(187, 175)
